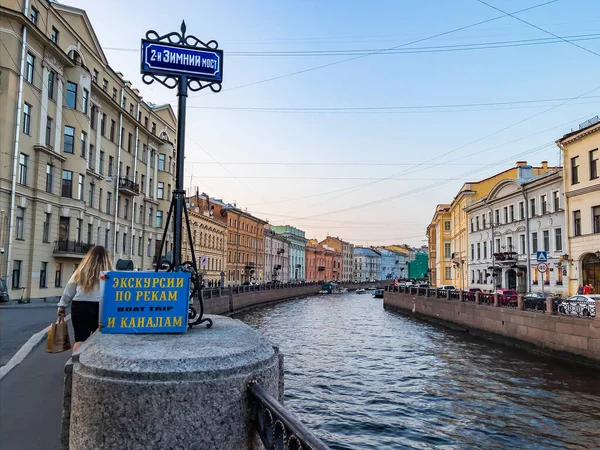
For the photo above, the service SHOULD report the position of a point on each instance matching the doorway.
(591, 271)
(511, 279)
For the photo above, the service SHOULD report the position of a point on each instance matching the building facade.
(277, 257)
(440, 247)
(245, 239)
(367, 264)
(85, 160)
(209, 239)
(417, 265)
(297, 240)
(388, 264)
(347, 253)
(581, 154)
(507, 228)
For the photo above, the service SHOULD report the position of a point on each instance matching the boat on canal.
(378, 293)
(361, 291)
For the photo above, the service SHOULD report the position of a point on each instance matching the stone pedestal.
(496, 299)
(184, 391)
(520, 302)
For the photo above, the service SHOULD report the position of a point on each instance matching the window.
(522, 239)
(505, 214)
(153, 128)
(122, 137)
(141, 214)
(575, 170)
(112, 130)
(54, 35)
(43, 270)
(33, 15)
(485, 250)
(472, 226)
(111, 162)
(101, 162)
(20, 225)
(23, 163)
(51, 77)
(447, 250)
(159, 219)
(49, 177)
(544, 204)
(102, 124)
(100, 197)
(131, 109)
(49, 123)
(558, 240)
(124, 242)
(478, 250)
(497, 245)
(108, 202)
(534, 242)
(161, 161)
(71, 97)
(126, 209)
(483, 221)
(151, 187)
(91, 158)
(593, 164)
(16, 274)
(106, 238)
(152, 159)
(509, 245)
(27, 118)
(511, 210)
(596, 219)
(58, 275)
(91, 195)
(98, 236)
(532, 207)
(114, 94)
(168, 191)
(149, 249)
(83, 143)
(46, 228)
(78, 230)
(129, 142)
(67, 184)
(95, 76)
(29, 68)
(546, 237)
(139, 246)
(105, 84)
(555, 201)
(161, 190)
(89, 233)
(497, 216)
(472, 251)
(448, 273)
(81, 188)
(577, 223)
(145, 122)
(69, 138)
(150, 216)
(85, 101)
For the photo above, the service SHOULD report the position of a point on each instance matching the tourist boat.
(378, 293)
(361, 291)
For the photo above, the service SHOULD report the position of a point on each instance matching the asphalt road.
(19, 323)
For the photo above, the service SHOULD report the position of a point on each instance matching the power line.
(295, 163)
(539, 28)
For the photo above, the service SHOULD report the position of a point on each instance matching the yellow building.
(83, 161)
(457, 243)
(581, 154)
(438, 235)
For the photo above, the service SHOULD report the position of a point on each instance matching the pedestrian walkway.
(31, 398)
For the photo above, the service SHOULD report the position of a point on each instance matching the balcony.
(506, 257)
(71, 249)
(280, 251)
(277, 267)
(128, 186)
(249, 266)
(321, 268)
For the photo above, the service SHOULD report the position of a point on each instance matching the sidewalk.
(31, 398)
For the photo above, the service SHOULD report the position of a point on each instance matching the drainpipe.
(13, 186)
(115, 243)
(135, 159)
(492, 246)
(527, 249)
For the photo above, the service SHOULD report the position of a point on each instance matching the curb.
(26, 349)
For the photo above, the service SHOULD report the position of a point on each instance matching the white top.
(75, 292)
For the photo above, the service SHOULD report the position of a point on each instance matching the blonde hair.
(95, 261)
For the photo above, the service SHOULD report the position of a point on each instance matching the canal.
(362, 377)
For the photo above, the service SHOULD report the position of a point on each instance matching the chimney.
(525, 172)
(521, 163)
(544, 164)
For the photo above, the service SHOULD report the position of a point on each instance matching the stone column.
(496, 299)
(437, 293)
(520, 302)
(184, 391)
(549, 305)
(44, 105)
(58, 120)
(461, 295)
(477, 297)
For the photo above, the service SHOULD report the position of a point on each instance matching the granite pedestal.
(169, 391)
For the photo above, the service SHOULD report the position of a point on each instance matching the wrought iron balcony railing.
(129, 185)
(73, 247)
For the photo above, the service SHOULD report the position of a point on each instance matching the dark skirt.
(85, 319)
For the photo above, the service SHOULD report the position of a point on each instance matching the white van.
(446, 287)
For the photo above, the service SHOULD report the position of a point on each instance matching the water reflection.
(362, 377)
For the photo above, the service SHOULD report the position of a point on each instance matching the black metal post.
(182, 93)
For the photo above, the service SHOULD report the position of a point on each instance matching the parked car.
(473, 290)
(579, 305)
(447, 287)
(3, 291)
(507, 297)
(537, 300)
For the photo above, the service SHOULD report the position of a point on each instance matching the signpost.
(542, 256)
(181, 61)
(145, 302)
(542, 268)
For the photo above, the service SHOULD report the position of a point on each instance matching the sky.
(356, 118)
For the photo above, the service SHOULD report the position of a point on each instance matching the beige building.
(581, 155)
(210, 244)
(347, 256)
(84, 159)
(440, 247)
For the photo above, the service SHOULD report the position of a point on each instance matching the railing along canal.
(277, 427)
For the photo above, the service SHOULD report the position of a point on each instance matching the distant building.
(388, 264)
(367, 264)
(417, 266)
(297, 240)
(277, 257)
(347, 256)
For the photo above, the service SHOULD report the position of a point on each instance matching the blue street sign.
(170, 59)
(145, 302)
(542, 256)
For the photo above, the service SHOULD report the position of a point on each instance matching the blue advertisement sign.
(170, 59)
(145, 302)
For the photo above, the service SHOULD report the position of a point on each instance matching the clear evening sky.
(341, 149)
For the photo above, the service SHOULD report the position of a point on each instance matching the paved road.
(19, 323)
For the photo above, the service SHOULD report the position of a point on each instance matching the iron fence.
(577, 309)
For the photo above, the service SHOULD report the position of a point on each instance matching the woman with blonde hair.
(84, 293)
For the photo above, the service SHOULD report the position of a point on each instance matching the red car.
(507, 297)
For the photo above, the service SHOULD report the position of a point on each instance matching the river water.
(362, 377)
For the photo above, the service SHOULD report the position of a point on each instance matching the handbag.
(58, 337)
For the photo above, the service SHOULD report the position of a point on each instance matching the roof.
(594, 126)
(366, 252)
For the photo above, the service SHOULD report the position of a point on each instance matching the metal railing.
(576, 309)
(76, 247)
(276, 426)
(126, 183)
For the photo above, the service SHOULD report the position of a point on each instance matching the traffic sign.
(542, 256)
(542, 267)
(203, 261)
(170, 59)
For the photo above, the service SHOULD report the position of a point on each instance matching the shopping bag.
(58, 337)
